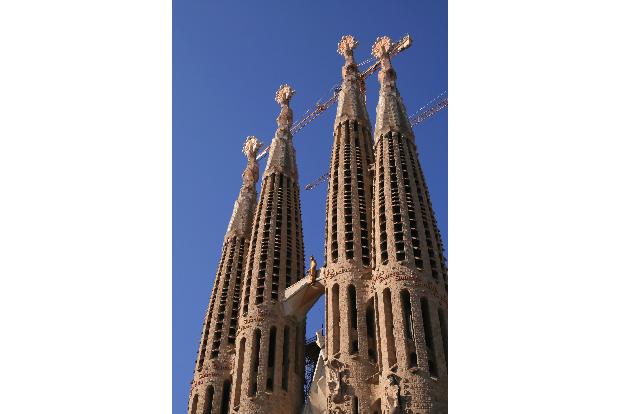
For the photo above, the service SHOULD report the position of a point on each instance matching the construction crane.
(425, 112)
(320, 107)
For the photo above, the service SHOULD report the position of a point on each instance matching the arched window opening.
(371, 331)
(299, 348)
(376, 408)
(240, 369)
(388, 323)
(226, 397)
(406, 306)
(271, 356)
(431, 354)
(285, 360)
(194, 404)
(354, 404)
(336, 332)
(444, 333)
(207, 407)
(254, 362)
(353, 319)
(378, 334)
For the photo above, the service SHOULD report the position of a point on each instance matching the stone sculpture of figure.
(312, 273)
(320, 340)
(391, 394)
(333, 376)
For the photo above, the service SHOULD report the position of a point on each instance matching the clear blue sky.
(228, 60)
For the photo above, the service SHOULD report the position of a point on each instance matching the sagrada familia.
(385, 278)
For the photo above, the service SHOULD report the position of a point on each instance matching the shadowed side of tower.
(352, 355)
(409, 273)
(269, 362)
(211, 385)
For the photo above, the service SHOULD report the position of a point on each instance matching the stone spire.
(211, 385)
(391, 112)
(243, 210)
(282, 154)
(351, 103)
(409, 274)
(351, 340)
(269, 362)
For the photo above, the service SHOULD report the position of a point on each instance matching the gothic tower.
(409, 272)
(211, 385)
(269, 359)
(352, 355)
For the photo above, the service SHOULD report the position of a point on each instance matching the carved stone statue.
(312, 273)
(333, 376)
(391, 394)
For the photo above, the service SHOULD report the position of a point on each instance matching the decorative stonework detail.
(381, 47)
(284, 94)
(384, 274)
(251, 173)
(346, 45)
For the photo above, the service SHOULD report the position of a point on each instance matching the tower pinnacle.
(391, 112)
(211, 385)
(283, 96)
(243, 210)
(346, 47)
(351, 103)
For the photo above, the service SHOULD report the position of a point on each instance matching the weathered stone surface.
(385, 277)
(269, 360)
(213, 371)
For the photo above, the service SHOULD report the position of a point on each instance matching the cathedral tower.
(269, 361)
(211, 385)
(409, 273)
(352, 356)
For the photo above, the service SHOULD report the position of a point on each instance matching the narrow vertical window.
(371, 331)
(194, 404)
(226, 397)
(299, 338)
(376, 408)
(240, 369)
(354, 404)
(353, 319)
(443, 331)
(378, 335)
(388, 323)
(408, 325)
(208, 400)
(406, 306)
(254, 367)
(285, 359)
(336, 332)
(431, 355)
(271, 356)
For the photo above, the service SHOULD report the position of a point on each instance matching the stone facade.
(385, 277)
(211, 385)
(268, 375)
